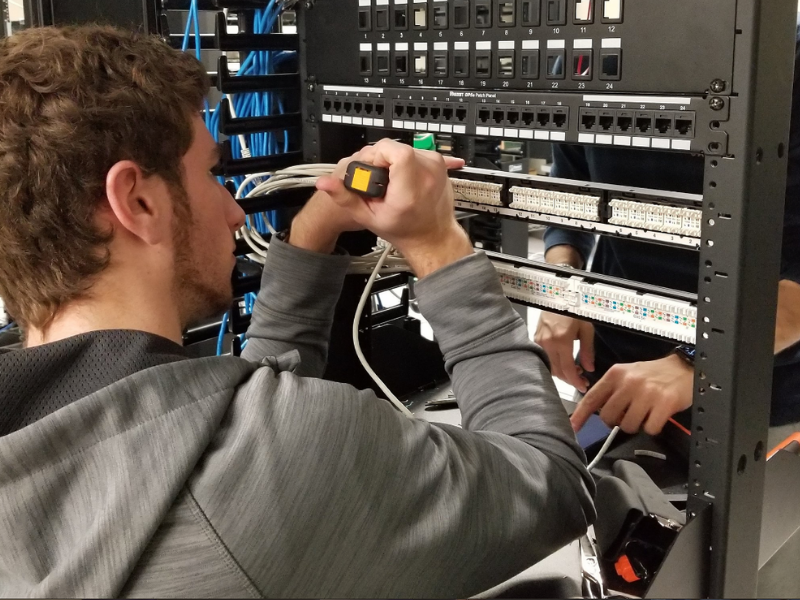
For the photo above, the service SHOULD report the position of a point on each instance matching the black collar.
(36, 382)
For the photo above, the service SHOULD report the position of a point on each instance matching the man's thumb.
(332, 186)
(353, 203)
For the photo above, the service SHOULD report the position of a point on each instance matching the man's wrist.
(308, 234)
(564, 255)
(680, 359)
(430, 256)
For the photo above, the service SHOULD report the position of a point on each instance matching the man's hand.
(318, 226)
(417, 215)
(636, 395)
(556, 334)
(787, 323)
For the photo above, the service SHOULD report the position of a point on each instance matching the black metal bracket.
(290, 198)
(231, 84)
(230, 126)
(252, 41)
(214, 4)
(231, 167)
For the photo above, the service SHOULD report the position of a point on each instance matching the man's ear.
(140, 204)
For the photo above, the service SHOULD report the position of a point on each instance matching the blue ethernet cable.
(221, 337)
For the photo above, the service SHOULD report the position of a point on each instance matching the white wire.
(303, 176)
(604, 449)
(361, 304)
(242, 139)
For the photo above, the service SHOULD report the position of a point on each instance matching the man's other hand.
(417, 214)
(637, 396)
(556, 334)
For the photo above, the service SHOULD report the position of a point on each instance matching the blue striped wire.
(221, 338)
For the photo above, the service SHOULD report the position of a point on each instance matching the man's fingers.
(657, 419)
(635, 415)
(334, 187)
(586, 354)
(552, 353)
(454, 163)
(388, 153)
(594, 399)
(581, 415)
(330, 185)
(569, 370)
(614, 408)
(450, 162)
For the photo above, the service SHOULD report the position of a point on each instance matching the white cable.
(604, 449)
(361, 304)
(303, 176)
(242, 140)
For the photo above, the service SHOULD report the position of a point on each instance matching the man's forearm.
(311, 231)
(429, 258)
(787, 323)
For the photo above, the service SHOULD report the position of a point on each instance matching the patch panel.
(565, 204)
(482, 192)
(585, 207)
(354, 110)
(636, 128)
(626, 121)
(492, 119)
(593, 52)
(671, 219)
(649, 313)
(439, 112)
(353, 106)
(656, 217)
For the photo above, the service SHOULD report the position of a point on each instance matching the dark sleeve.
(790, 256)
(569, 162)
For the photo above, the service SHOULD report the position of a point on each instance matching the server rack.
(710, 78)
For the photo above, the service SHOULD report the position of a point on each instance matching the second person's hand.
(641, 395)
(556, 334)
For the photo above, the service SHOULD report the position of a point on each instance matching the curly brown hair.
(73, 102)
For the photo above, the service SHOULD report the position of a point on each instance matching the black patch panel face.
(647, 122)
(616, 46)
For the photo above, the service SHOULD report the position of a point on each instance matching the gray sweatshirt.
(128, 469)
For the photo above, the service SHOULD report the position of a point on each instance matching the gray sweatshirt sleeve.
(295, 307)
(319, 490)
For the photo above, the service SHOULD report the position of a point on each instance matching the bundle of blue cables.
(257, 104)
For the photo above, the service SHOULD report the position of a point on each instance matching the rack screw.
(311, 87)
(717, 103)
(718, 86)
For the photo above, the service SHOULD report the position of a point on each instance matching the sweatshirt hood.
(98, 434)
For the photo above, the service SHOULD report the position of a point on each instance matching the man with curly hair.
(128, 468)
